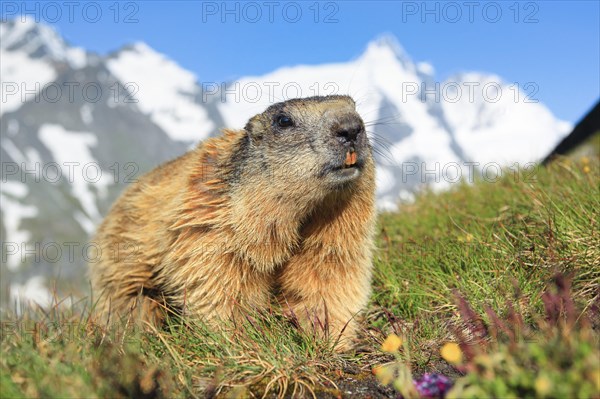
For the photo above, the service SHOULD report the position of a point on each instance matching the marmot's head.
(315, 143)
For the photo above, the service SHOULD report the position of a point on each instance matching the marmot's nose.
(347, 128)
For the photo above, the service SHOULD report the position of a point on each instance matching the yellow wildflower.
(542, 385)
(385, 374)
(391, 344)
(451, 353)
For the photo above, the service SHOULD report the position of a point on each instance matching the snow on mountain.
(20, 74)
(28, 51)
(13, 212)
(39, 41)
(74, 148)
(499, 122)
(164, 90)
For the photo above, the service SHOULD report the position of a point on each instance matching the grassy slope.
(479, 239)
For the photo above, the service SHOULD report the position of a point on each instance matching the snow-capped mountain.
(504, 123)
(423, 129)
(164, 91)
(41, 42)
(77, 127)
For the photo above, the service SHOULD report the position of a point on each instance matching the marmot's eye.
(284, 121)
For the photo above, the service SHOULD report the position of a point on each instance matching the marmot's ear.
(254, 127)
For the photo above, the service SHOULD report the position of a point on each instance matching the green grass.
(483, 240)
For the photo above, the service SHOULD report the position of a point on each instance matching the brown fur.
(245, 215)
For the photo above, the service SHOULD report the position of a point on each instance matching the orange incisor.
(350, 158)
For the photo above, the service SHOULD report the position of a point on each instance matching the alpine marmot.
(284, 209)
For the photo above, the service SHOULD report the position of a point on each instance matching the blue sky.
(555, 44)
